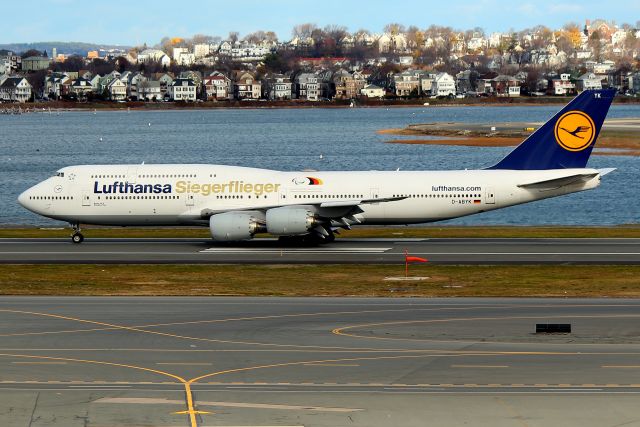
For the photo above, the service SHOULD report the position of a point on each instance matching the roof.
(12, 82)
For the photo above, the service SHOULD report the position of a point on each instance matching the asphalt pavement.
(342, 251)
(138, 361)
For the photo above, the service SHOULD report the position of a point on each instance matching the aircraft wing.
(335, 210)
(356, 202)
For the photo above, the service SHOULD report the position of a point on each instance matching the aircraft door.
(374, 193)
(190, 199)
(132, 174)
(86, 198)
(490, 197)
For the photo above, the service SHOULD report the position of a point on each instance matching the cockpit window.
(60, 174)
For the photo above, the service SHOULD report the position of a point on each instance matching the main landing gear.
(77, 236)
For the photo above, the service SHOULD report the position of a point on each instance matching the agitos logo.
(575, 131)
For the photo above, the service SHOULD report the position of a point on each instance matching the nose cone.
(24, 200)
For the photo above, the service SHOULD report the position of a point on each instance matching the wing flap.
(344, 203)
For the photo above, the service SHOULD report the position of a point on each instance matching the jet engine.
(291, 220)
(232, 226)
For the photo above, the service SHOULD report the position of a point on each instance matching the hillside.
(68, 48)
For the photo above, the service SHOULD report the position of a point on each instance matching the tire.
(77, 238)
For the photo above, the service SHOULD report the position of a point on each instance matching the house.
(116, 90)
(225, 48)
(408, 82)
(35, 63)
(80, 88)
(300, 84)
(95, 82)
(392, 43)
(133, 80)
(466, 81)
(372, 91)
(246, 86)
(443, 85)
(504, 85)
(165, 80)
(563, 85)
(154, 55)
(588, 81)
(15, 89)
(200, 50)
(313, 86)
(149, 90)
(183, 90)
(217, 86)
(277, 87)
(53, 84)
(14, 61)
(195, 76)
(182, 56)
(354, 84)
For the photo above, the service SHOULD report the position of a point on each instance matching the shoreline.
(295, 104)
(619, 137)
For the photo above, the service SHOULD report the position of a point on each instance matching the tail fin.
(567, 139)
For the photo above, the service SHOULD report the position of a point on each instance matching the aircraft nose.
(25, 201)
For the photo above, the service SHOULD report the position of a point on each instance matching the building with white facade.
(15, 89)
(444, 84)
(183, 90)
(372, 91)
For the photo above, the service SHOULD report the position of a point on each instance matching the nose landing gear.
(77, 236)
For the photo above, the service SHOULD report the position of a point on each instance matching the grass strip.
(630, 231)
(321, 280)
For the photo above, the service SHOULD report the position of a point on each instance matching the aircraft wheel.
(77, 238)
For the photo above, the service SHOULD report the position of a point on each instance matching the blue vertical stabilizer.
(567, 139)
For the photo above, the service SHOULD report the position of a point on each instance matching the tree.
(72, 63)
(233, 36)
(573, 34)
(31, 52)
(303, 31)
(595, 44)
(394, 28)
(274, 63)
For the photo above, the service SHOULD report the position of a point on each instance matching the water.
(33, 146)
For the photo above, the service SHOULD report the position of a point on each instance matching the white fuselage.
(190, 194)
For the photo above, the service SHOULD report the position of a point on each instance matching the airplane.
(236, 203)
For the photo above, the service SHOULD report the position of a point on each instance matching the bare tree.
(394, 28)
(303, 31)
(233, 36)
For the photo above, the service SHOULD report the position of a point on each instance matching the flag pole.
(406, 264)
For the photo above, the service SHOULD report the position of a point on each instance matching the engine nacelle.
(290, 220)
(232, 226)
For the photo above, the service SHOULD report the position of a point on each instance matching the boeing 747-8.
(237, 203)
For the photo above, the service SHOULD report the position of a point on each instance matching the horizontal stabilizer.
(605, 171)
(553, 183)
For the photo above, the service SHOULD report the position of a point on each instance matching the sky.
(137, 22)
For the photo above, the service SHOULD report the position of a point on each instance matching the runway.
(317, 362)
(342, 251)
